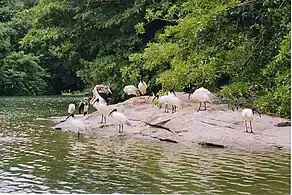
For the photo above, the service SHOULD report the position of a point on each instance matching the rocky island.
(216, 127)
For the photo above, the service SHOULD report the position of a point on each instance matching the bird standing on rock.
(120, 118)
(201, 95)
(142, 86)
(131, 90)
(248, 115)
(169, 99)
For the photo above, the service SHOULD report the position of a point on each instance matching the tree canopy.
(238, 49)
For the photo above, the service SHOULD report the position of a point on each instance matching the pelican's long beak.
(94, 97)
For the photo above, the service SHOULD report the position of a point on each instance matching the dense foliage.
(237, 49)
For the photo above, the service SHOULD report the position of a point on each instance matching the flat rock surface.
(217, 126)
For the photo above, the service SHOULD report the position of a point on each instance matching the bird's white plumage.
(71, 108)
(86, 108)
(202, 95)
(120, 118)
(169, 99)
(101, 105)
(78, 125)
(131, 90)
(247, 114)
(142, 87)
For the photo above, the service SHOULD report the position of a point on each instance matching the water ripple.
(37, 159)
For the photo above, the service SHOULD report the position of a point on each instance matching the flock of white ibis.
(101, 94)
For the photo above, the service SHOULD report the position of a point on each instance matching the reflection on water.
(36, 158)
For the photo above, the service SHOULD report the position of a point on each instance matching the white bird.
(101, 105)
(120, 118)
(202, 95)
(78, 125)
(142, 87)
(131, 90)
(174, 101)
(248, 115)
(169, 99)
(71, 108)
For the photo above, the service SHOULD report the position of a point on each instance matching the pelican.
(101, 106)
(71, 110)
(142, 86)
(131, 90)
(202, 95)
(103, 91)
(248, 115)
(120, 118)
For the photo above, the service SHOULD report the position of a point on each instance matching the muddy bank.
(215, 127)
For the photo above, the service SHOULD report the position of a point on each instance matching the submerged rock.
(217, 126)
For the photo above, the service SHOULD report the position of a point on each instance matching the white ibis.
(248, 115)
(71, 110)
(170, 99)
(202, 95)
(120, 118)
(131, 90)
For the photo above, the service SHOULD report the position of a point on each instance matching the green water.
(36, 158)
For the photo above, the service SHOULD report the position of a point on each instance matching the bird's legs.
(205, 106)
(245, 126)
(173, 108)
(78, 135)
(166, 108)
(101, 118)
(199, 107)
(121, 128)
(250, 127)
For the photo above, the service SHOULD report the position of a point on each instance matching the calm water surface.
(36, 158)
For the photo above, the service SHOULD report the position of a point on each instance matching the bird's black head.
(255, 110)
(157, 96)
(150, 94)
(193, 89)
(114, 110)
(172, 91)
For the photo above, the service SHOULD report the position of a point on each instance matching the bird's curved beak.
(189, 96)
(258, 112)
(150, 94)
(154, 99)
